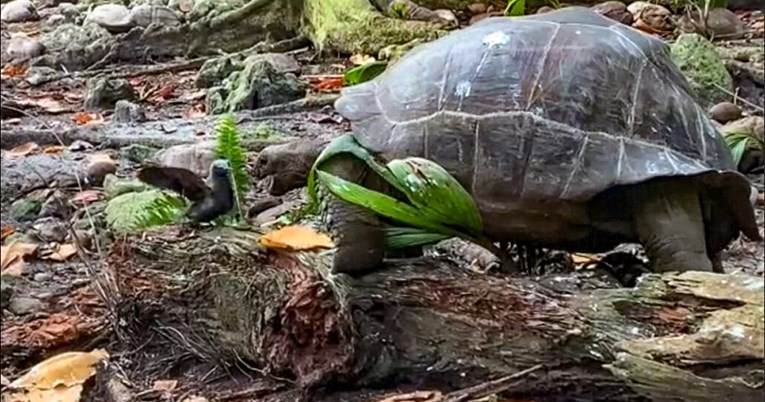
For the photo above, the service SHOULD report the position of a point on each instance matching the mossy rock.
(137, 153)
(25, 209)
(702, 65)
(258, 85)
(115, 186)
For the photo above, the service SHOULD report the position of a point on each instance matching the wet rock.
(196, 157)
(698, 60)
(104, 93)
(79, 146)
(115, 186)
(258, 84)
(39, 74)
(42, 277)
(724, 112)
(128, 112)
(137, 153)
(615, 10)
(56, 205)
(19, 11)
(50, 230)
(144, 15)
(25, 305)
(721, 23)
(544, 9)
(22, 48)
(651, 18)
(25, 209)
(114, 18)
(98, 167)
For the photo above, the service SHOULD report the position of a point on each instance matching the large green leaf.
(437, 194)
(515, 8)
(398, 237)
(364, 72)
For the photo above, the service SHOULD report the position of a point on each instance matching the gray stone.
(137, 153)
(57, 205)
(22, 48)
(39, 74)
(113, 17)
(51, 230)
(25, 305)
(128, 112)
(103, 93)
(19, 11)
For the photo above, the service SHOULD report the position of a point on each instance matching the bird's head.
(220, 168)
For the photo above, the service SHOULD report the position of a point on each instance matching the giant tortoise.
(570, 130)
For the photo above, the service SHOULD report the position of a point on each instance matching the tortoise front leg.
(358, 234)
(669, 223)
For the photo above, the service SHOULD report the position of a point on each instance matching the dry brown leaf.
(195, 111)
(61, 253)
(295, 238)
(58, 378)
(326, 83)
(4, 381)
(54, 149)
(361, 59)
(82, 118)
(50, 105)
(12, 257)
(417, 396)
(7, 231)
(760, 201)
(166, 92)
(165, 385)
(24, 149)
(14, 71)
(195, 398)
(86, 197)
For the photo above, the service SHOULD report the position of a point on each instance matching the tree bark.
(676, 337)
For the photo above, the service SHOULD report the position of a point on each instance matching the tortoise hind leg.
(669, 223)
(358, 234)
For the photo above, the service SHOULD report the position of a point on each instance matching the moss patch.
(702, 65)
(354, 26)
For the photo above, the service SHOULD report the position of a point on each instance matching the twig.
(750, 104)
(490, 387)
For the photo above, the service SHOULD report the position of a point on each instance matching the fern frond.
(164, 210)
(134, 211)
(229, 147)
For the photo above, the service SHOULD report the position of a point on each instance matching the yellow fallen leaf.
(296, 238)
(24, 149)
(584, 258)
(67, 369)
(61, 394)
(416, 396)
(62, 252)
(7, 231)
(54, 149)
(12, 257)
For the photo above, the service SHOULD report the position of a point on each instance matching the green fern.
(229, 147)
(164, 210)
(135, 211)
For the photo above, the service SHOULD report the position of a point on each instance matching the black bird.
(208, 200)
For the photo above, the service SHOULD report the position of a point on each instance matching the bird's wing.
(182, 181)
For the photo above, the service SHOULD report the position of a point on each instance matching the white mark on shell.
(578, 32)
(463, 89)
(495, 39)
(736, 332)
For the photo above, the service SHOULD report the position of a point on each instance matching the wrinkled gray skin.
(570, 130)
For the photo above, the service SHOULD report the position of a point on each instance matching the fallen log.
(431, 324)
